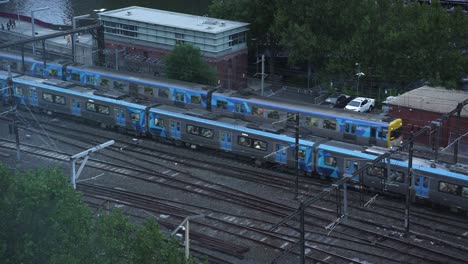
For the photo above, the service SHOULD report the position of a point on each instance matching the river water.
(61, 11)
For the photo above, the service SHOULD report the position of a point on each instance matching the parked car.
(337, 100)
(361, 104)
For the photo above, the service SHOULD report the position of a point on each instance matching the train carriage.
(189, 127)
(81, 102)
(442, 184)
(337, 124)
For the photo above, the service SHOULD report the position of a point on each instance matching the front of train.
(395, 133)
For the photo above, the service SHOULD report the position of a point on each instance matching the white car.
(361, 104)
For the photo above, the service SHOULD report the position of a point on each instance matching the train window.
(38, 70)
(19, 91)
(133, 89)
(375, 171)
(373, 132)
(329, 124)
(330, 161)
(59, 99)
(257, 111)
(90, 107)
(301, 154)
(104, 82)
(311, 121)
(149, 91)
(90, 79)
(396, 176)
(244, 141)
(163, 93)
(449, 188)
(103, 109)
(425, 182)
(32, 92)
(273, 114)
(240, 108)
(383, 133)
(221, 104)
(75, 77)
(118, 85)
(47, 97)
(193, 130)
(291, 116)
(208, 133)
(135, 117)
(53, 72)
(180, 97)
(196, 99)
(350, 128)
(159, 122)
(259, 144)
(465, 192)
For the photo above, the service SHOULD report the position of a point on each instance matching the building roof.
(173, 19)
(432, 99)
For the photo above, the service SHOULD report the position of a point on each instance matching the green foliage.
(44, 221)
(395, 43)
(185, 63)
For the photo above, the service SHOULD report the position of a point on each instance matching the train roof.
(397, 159)
(143, 79)
(228, 123)
(303, 107)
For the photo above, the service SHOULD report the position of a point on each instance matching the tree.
(44, 221)
(185, 63)
(260, 14)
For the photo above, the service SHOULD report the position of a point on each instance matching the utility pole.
(263, 71)
(408, 182)
(296, 159)
(302, 209)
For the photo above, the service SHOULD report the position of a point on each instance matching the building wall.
(231, 69)
(415, 119)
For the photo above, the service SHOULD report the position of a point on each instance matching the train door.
(175, 129)
(373, 136)
(119, 116)
(33, 96)
(305, 158)
(350, 131)
(280, 153)
(226, 140)
(350, 167)
(421, 185)
(76, 107)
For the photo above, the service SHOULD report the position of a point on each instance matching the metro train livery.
(358, 128)
(441, 184)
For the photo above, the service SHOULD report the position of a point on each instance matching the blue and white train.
(358, 128)
(443, 185)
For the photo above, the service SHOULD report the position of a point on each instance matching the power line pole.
(296, 153)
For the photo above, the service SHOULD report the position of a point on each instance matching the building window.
(236, 39)
(179, 36)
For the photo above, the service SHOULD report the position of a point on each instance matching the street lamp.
(358, 74)
(32, 28)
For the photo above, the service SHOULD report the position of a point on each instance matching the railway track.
(360, 232)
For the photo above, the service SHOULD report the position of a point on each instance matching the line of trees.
(393, 42)
(43, 220)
